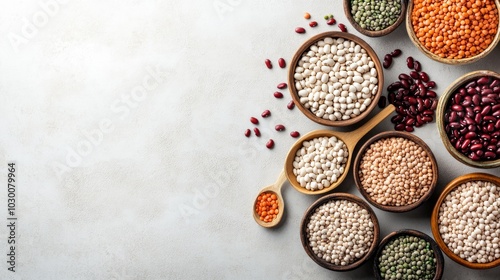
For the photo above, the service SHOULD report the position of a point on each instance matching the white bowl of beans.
(465, 221)
(468, 119)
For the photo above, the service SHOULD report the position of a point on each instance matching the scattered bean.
(410, 62)
(300, 30)
(313, 24)
(254, 120)
(342, 27)
(247, 133)
(282, 63)
(396, 53)
(256, 131)
(294, 134)
(278, 94)
(281, 86)
(266, 113)
(279, 127)
(290, 105)
(382, 102)
(270, 144)
(268, 63)
(387, 61)
(331, 21)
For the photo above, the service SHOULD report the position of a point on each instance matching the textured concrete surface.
(125, 120)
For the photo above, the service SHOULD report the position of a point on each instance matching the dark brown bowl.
(374, 33)
(409, 136)
(293, 90)
(323, 200)
(437, 252)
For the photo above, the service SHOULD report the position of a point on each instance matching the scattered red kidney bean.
(313, 24)
(254, 120)
(417, 66)
(270, 144)
(410, 62)
(247, 133)
(281, 62)
(269, 64)
(300, 30)
(332, 21)
(278, 94)
(382, 102)
(294, 134)
(472, 119)
(256, 131)
(342, 27)
(282, 85)
(279, 127)
(387, 61)
(290, 105)
(396, 53)
(266, 113)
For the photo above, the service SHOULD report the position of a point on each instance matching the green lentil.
(407, 257)
(375, 15)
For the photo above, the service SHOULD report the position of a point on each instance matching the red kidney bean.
(396, 118)
(332, 21)
(270, 144)
(424, 77)
(382, 102)
(415, 75)
(387, 61)
(427, 119)
(410, 121)
(281, 62)
(497, 124)
(403, 76)
(282, 85)
(457, 107)
(396, 53)
(313, 24)
(279, 127)
(483, 81)
(476, 147)
(478, 118)
(268, 63)
(490, 155)
(430, 84)
(247, 133)
(428, 113)
(290, 105)
(300, 30)
(256, 131)
(470, 135)
(410, 62)
(400, 127)
(422, 90)
(342, 27)
(495, 83)
(294, 134)
(486, 110)
(254, 120)
(487, 100)
(465, 144)
(266, 113)
(278, 94)
(409, 128)
(405, 84)
(417, 66)
(471, 91)
(476, 99)
(394, 86)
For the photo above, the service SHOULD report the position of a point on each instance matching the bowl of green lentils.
(375, 18)
(408, 254)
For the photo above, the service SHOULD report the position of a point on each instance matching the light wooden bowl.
(323, 200)
(443, 104)
(435, 213)
(304, 48)
(416, 42)
(410, 232)
(390, 134)
(374, 33)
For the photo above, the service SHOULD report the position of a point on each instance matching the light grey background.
(126, 119)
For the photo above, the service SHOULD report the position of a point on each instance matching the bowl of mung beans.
(465, 221)
(395, 171)
(375, 18)
(339, 232)
(468, 119)
(408, 254)
(335, 79)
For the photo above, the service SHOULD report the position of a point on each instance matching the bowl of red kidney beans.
(468, 119)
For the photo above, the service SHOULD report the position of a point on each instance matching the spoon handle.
(280, 181)
(357, 134)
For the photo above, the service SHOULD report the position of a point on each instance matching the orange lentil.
(437, 23)
(307, 15)
(266, 206)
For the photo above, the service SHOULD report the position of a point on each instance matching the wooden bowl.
(410, 232)
(374, 33)
(323, 200)
(443, 104)
(416, 42)
(304, 48)
(390, 134)
(434, 218)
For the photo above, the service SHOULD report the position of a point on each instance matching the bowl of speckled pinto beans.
(454, 31)
(465, 221)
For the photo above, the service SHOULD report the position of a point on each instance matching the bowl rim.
(461, 61)
(374, 33)
(339, 196)
(435, 248)
(478, 176)
(440, 112)
(303, 48)
(411, 137)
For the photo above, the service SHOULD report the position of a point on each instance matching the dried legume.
(300, 30)
(342, 27)
(270, 144)
(254, 120)
(266, 113)
(247, 133)
(307, 15)
(256, 131)
(281, 62)
(279, 127)
(294, 134)
(320, 162)
(313, 24)
(278, 94)
(469, 221)
(267, 206)
(268, 63)
(290, 105)
(375, 15)
(395, 171)
(340, 232)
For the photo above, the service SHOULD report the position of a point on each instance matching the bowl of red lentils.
(465, 221)
(468, 119)
(395, 171)
(454, 31)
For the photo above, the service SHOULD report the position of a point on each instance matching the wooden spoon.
(349, 138)
(275, 188)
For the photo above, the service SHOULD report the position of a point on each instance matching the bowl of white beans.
(335, 79)
(465, 221)
(339, 232)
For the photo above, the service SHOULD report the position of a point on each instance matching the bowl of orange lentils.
(454, 31)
